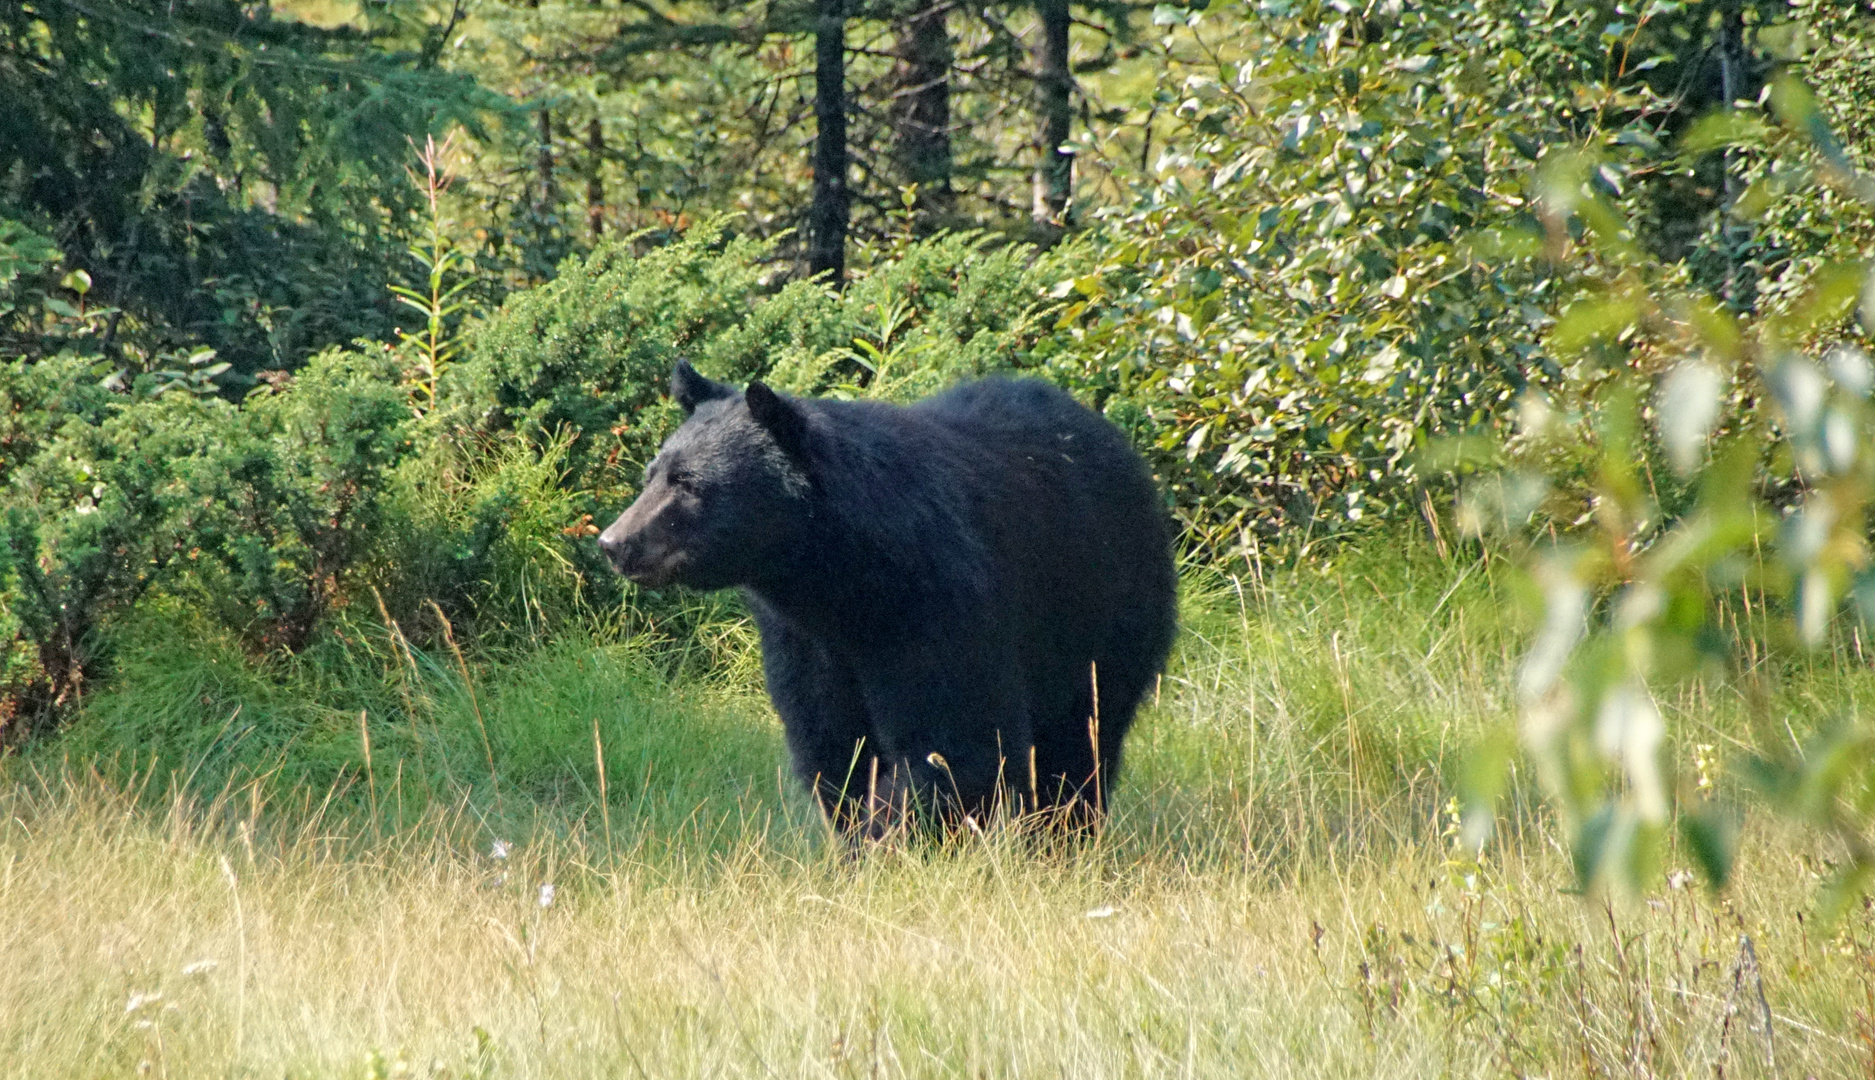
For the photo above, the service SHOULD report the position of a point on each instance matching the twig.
(488, 748)
(605, 805)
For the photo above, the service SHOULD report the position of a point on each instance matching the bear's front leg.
(823, 716)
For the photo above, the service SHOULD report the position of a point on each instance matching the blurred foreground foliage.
(1702, 485)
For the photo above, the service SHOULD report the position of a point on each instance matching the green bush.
(261, 511)
(282, 511)
(1332, 257)
(88, 518)
(1290, 307)
(586, 357)
(482, 530)
(931, 313)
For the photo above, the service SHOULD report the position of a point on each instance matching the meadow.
(582, 857)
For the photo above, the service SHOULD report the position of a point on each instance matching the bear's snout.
(616, 549)
(638, 555)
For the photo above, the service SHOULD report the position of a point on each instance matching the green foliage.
(1749, 500)
(22, 252)
(927, 314)
(488, 529)
(262, 510)
(654, 120)
(587, 356)
(286, 506)
(228, 176)
(86, 520)
(1290, 306)
(1330, 257)
(42, 312)
(274, 513)
(442, 302)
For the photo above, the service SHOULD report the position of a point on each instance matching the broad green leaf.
(1688, 407)
(1711, 837)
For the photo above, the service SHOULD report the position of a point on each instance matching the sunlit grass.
(1277, 894)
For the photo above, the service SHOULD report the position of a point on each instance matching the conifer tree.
(222, 174)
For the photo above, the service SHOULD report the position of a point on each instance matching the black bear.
(961, 602)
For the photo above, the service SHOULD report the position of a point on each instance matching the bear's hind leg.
(953, 735)
(1078, 751)
(1071, 778)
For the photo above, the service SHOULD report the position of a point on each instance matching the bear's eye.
(677, 478)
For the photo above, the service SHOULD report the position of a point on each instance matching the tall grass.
(211, 876)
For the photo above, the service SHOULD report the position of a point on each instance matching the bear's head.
(723, 502)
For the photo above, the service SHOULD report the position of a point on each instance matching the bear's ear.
(690, 389)
(779, 418)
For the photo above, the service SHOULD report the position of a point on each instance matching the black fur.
(941, 589)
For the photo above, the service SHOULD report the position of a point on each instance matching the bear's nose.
(615, 548)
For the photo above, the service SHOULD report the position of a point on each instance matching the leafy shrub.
(487, 528)
(263, 510)
(931, 313)
(87, 517)
(1289, 308)
(586, 357)
(289, 505)
(1332, 255)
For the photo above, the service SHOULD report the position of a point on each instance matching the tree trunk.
(595, 181)
(1734, 76)
(827, 218)
(543, 162)
(921, 111)
(549, 242)
(1054, 170)
(544, 238)
(1735, 82)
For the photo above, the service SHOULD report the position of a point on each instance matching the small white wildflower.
(546, 895)
(499, 849)
(139, 1000)
(1102, 912)
(200, 967)
(1679, 879)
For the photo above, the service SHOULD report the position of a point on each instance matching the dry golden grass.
(1276, 896)
(146, 944)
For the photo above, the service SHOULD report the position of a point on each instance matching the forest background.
(334, 331)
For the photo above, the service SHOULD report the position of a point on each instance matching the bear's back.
(1048, 452)
(1080, 534)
